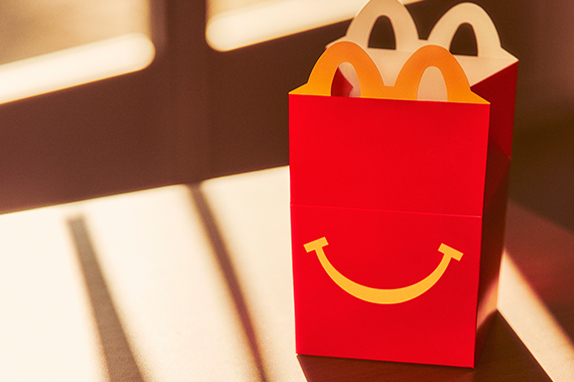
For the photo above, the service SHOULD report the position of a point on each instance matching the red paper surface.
(386, 182)
(386, 250)
(500, 90)
(419, 156)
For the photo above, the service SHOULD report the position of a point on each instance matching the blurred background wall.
(197, 113)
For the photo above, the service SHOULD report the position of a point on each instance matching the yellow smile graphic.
(383, 296)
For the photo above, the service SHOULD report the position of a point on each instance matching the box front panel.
(418, 156)
(419, 304)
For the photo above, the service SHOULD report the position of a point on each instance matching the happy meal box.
(398, 201)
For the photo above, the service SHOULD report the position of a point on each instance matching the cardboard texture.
(398, 199)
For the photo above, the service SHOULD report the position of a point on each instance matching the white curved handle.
(406, 34)
(487, 39)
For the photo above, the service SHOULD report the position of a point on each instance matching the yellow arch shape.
(371, 82)
(383, 296)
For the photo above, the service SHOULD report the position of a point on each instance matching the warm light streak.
(534, 324)
(266, 20)
(75, 66)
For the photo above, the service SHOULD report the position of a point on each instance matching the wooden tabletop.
(187, 283)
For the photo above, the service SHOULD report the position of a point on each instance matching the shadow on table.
(234, 288)
(118, 357)
(504, 358)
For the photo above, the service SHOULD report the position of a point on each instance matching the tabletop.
(193, 282)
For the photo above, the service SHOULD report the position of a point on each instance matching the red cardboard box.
(387, 202)
(377, 184)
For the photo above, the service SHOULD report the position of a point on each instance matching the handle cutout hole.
(383, 34)
(464, 41)
(346, 82)
(432, 86)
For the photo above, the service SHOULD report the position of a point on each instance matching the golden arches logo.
(377, 295)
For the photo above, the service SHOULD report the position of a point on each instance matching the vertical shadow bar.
(230, 275)
(120, 362)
